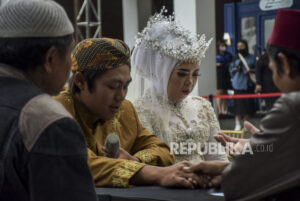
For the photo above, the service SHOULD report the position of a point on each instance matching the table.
(151, 193)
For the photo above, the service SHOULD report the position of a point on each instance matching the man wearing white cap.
(42, 149)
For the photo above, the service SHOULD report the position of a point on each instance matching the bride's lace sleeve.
(214, 128)
(211, 116)
(220, 155)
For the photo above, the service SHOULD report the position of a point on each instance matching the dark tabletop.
(152, 193)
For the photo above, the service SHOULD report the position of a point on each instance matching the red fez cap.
(286, 31)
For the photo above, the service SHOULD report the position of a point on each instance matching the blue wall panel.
(234, 12)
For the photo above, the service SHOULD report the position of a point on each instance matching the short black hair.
(293, 56)
(219, 42)
(25, 53)
(245, 43)
(90, 75)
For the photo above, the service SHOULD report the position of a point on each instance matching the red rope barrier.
(264, 95)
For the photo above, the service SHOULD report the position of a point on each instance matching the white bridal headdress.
(186, 46)
(162, 45)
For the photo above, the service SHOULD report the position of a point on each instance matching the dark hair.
(90, 76)
(219, 42)
(25, 53)
(293, 56)
(245, 43)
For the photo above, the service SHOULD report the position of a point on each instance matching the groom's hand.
(212, 170)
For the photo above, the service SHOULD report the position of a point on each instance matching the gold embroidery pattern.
(146, 158)
(68, 99)
(119, 182)
(116, 123)
(122, 175)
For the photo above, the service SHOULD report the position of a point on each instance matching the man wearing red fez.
(268, 167)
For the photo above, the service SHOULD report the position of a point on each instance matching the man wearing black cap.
(272, 169)
(42, 149)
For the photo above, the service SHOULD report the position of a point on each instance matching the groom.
(97, 101)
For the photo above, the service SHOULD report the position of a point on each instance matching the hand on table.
(170, 176)
(175, 176)
(211, 170)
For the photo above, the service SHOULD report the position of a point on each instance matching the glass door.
(248, 32)
(246, 20)
(267, 23)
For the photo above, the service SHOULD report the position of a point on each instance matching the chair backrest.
(233, 133)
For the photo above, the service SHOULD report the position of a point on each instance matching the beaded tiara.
(186, 46)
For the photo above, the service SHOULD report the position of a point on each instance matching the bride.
(168, 56)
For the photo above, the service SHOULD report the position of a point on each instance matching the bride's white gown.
(191, 121)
